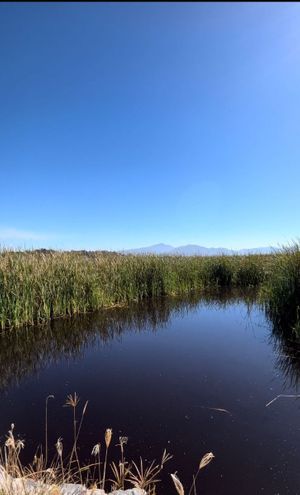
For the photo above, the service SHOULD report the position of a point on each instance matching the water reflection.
(25, 351)
(287, 357)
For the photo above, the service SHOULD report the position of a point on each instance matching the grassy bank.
(38, 286)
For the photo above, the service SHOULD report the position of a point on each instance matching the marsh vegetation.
(39, 286)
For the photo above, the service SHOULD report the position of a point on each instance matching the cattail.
(178, 484)
(108, 435)
(206, 459)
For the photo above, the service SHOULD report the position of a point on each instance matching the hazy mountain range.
(194, 249)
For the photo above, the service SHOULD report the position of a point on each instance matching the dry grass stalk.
(147, 477)
(289, 396)
(107, 439)
(178, 484)
(97, 453)
(73, 401)
(60, 470)
(206, 459)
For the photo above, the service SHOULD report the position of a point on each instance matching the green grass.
(37, 286)
(281, 291)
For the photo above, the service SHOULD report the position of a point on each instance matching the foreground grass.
(44, 476)
(37, 286)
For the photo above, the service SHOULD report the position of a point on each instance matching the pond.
(191, 376)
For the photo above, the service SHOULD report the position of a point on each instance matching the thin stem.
(99, 468)
(46, 428)
(104, 469)
(194, 483)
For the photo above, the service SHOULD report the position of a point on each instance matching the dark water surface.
(154, 372)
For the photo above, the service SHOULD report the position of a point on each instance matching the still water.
(158, 373)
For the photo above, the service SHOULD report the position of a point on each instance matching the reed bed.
(37, 286)
(281, 291)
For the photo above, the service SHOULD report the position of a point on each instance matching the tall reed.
(281, 292)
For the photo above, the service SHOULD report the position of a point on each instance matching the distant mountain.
(195, 250)
(259, 250)
(155, 249)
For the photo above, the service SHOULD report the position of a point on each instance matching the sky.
(126, 125)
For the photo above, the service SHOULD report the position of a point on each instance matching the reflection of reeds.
(287, 356)
(25, 350)
(143, 475)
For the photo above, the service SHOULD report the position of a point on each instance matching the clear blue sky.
(124, 125)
